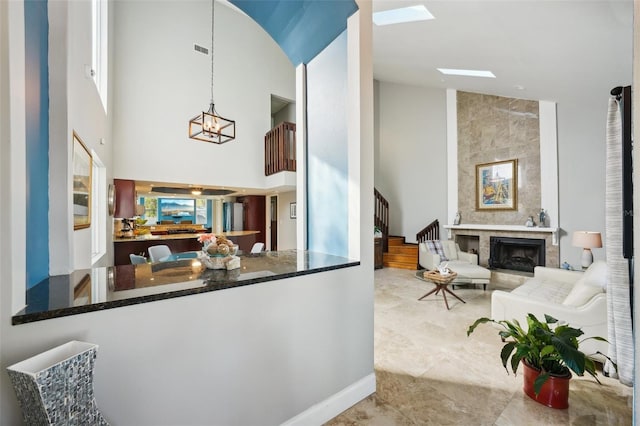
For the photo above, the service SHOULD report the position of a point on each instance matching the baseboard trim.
(336, 403)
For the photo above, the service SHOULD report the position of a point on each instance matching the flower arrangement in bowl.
(217, 245)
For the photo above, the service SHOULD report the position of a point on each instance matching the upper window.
(99, 39)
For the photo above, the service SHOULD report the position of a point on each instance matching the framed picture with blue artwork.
(497, 185)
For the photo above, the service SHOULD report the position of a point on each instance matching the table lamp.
(587, 240)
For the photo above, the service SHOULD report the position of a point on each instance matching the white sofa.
(577, 298)
(464, 264)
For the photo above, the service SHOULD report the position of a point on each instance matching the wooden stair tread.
(400, 255)
(410, 250)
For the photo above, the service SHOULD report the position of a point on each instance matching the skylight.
(468, 73)
(402, 15)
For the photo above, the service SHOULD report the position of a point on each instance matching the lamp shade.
(586, 239)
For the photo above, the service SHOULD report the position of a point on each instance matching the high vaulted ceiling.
(542, 49)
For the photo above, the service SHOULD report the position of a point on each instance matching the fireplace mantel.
(512, 228)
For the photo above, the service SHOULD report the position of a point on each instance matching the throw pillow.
(450, 249)
(592, 282)
(435, 247)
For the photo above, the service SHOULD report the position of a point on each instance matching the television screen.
(177, 210)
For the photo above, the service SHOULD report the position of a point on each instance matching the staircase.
(401, 255)
(396, 252)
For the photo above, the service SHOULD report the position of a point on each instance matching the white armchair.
(465, 264)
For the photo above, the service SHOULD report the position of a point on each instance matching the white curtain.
(619, 311)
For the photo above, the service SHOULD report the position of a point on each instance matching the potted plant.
(377, 232)
(549, 352)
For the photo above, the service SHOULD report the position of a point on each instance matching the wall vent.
(201, 49)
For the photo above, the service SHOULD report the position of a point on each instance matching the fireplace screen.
(516, 254)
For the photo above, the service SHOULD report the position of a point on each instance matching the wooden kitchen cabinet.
(125, 198)
(377, 253)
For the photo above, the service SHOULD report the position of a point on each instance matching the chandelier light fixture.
(210, 126)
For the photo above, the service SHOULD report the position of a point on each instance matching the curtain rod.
(617, 92)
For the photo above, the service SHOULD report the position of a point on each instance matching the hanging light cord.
(212, 26)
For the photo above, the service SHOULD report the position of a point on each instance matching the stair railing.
(429, 232)
(280, 149)
(381, 217)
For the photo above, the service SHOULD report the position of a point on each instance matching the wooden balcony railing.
(280, 149)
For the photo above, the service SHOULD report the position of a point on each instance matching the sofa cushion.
(592, 282)
(435, 247)
(546, 290)
(468, 272)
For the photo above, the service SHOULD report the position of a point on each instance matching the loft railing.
(430, 232)
(381, 217)
(280, 149)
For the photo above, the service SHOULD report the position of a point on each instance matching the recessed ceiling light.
(402, 15)
(468, 73)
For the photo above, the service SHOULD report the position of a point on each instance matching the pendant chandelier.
(210, 126)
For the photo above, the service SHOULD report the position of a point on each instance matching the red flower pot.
(554, 392)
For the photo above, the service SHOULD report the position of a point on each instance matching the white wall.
(74, 106)
(161, 82)
(86, 116)
(581, 170)
(205, 359)
(286, 225)
(412, 172)
(327, 150)
(287, 114)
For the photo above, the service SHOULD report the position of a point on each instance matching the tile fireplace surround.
(484, 232)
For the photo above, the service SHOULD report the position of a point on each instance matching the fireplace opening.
(516, 254)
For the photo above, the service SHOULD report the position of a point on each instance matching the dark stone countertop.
(111, 287)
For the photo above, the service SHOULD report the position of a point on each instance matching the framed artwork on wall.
(82, 166)
(292, 211)
(497, 185)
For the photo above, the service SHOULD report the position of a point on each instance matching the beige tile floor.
(429, 372)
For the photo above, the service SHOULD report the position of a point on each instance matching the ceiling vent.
(201, 49)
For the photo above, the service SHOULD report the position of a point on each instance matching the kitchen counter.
(123, 247)
(112, 287)
(145, 237)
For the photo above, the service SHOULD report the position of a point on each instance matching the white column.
(301, 157)
(452, 155)
(549, 161)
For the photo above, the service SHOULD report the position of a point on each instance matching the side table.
(441, 282)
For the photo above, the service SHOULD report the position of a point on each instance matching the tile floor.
(429, 372)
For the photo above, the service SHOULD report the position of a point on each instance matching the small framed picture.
(292, 211)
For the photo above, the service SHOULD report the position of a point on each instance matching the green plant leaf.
(549, 319)
(479, 321)
(573, 358)
(566, 332)
(540, 380)
(549, 349)
(505, 353)
(522, 351)
(515, 362)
